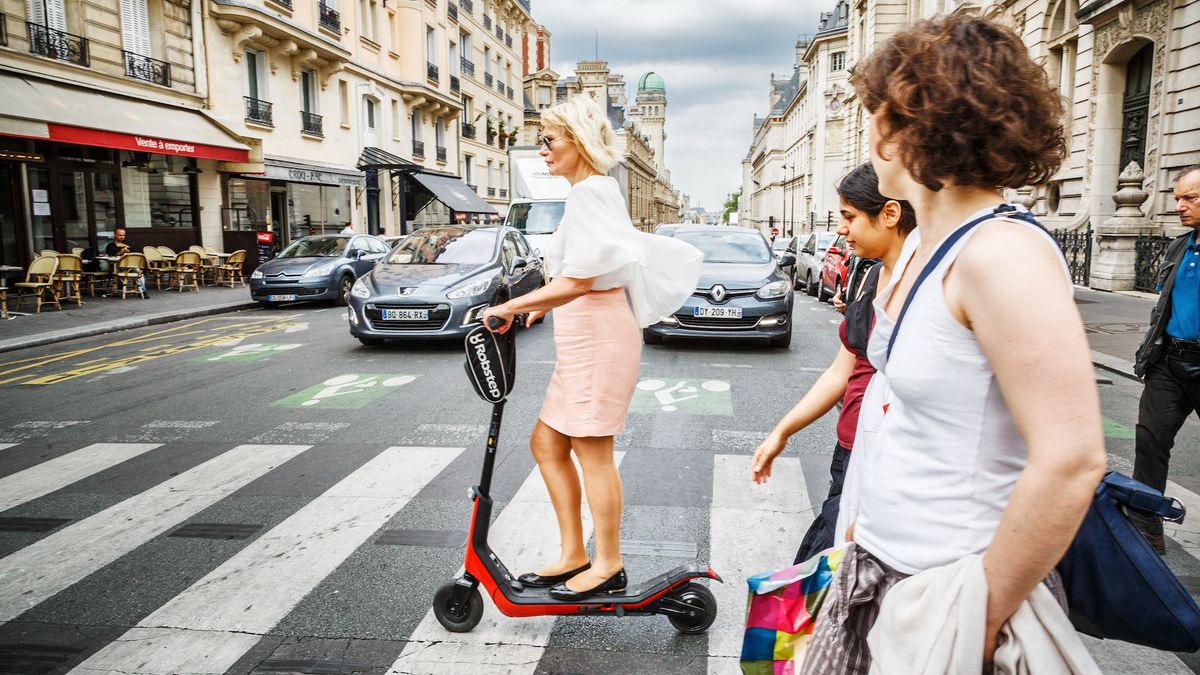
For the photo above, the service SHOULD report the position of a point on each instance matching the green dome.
(652, 82)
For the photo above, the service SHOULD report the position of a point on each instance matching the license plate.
(405, 315)
(280, 298)
(717, 312)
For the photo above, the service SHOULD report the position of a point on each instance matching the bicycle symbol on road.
(346, 392)
(693, 397)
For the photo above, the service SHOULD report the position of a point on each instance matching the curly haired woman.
(990, 443)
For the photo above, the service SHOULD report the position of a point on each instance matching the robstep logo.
(478, 343)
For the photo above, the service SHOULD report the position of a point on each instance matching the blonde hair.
(585, 125)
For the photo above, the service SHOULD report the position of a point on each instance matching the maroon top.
(847, 422)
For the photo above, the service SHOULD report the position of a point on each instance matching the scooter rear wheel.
(698, 595)
(461, 619)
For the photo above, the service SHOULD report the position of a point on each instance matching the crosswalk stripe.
(525, 537)
(209, 626)
(50, 565)
(753, 528)
(60, 472)
(5, 446)
(1187, 533)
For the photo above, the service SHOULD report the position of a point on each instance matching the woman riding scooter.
(595, 258)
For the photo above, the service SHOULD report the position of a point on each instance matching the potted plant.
(491, 131)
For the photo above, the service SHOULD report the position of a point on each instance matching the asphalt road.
(257, 492)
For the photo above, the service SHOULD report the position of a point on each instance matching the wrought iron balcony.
(56, 44)
(441, 154)
(146, 68)
(468, 130)
(452, 11)
(466, 67)
(474, 188)
(500, 86)
(454, 84)
(283, 3)
(503, 192)
(488, 79)
(311, 123)
(431, 71)
(491, 192)
(467, 6)
(499, 32)
(509, 92)
(487, 22)
(330, 18)
(508, 40)
(418, 149)
(258, 111)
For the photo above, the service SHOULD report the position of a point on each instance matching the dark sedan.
(321, 267)
(742, 293)
(438, 280)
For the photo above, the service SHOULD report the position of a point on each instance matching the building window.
(135, 27)
(366, 19)
(416, 126)
(491, 176)
(837, 61)
(487, 60)
(344, 100)
(49, 13)
(308, 91)
(256, 76)
(395, 120)
(369, 113)
(469, 169)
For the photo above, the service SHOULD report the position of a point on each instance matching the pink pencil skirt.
(598, 348)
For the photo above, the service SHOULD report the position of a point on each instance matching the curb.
(120, 325)
(1114, 365)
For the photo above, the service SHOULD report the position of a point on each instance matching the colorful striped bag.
(781, 612)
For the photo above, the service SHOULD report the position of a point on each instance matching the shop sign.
(150, 144)
(301, 175)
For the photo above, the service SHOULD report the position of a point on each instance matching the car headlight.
(318, 271)
(773, 290)
(359, 289)
(477, 287)
(256, 274)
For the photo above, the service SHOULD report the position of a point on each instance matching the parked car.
(787, 246)
(742, 292)
(808, 261)
(834, 269)
(667, 229)
(438, 280)
(536, 221)
(320, 267)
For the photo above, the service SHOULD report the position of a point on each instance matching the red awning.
(162, 146)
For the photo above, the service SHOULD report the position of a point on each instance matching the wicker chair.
(70, 277)
(129, 276)
(231, 271)
(158, 266)
(166, 251)
(188, 270)
(39, 278)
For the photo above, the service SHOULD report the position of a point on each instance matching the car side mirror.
(808, 251)
(519, 263)
(833, 250)
(787, 260)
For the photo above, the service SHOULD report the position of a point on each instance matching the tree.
(731, 205)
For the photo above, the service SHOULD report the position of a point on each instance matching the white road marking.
(296, 328)
(1187, 533)
(5, 446)
(50, 565)
(208, 627)
(525, 537)
(36, 428)
(60, 472)
(308, 432)
(753, 529)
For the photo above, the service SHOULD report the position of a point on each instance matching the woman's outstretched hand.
(764, 456)
(500, 312)
(532, 317)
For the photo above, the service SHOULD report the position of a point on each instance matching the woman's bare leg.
(605, 500)
(552, 450)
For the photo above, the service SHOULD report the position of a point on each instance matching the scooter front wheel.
(704, 613)
(460, 619)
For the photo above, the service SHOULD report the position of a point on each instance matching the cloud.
(716, 58)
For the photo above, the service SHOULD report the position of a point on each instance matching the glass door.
(74, 209)
(42, 225)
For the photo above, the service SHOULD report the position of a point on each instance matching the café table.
(5, 270)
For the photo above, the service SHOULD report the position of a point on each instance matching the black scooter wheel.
(461, 619)
(702, 599)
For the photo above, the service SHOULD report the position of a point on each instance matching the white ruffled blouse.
(596, 240)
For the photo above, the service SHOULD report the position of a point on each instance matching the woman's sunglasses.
(547, 141)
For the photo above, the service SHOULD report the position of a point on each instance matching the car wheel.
(810, 286)
(651, 338)
(783, 341)
(822, 296)
(795, 283)
(344, 286)
(371, 342)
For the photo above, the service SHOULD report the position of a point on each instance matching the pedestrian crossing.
(235, 611)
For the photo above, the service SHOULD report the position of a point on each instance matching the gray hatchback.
(321, 267)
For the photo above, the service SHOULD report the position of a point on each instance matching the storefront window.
(317, 209)
(43, 226)
(157, 191)
(249, 203)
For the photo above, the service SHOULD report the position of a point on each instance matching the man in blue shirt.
(1169, 358)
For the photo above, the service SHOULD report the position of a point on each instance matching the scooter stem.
(489, 457)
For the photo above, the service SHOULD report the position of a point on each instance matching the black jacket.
(1152, 345)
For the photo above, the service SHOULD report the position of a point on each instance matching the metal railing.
(258, 111)
(148, 69)
(330, 18)
(311, 123)
(474, 188)
(508, 40)
(499, 86)
(466, 67)
(468, 130)
(283, 3)
(57, 44)
(487, 21)
(499, 32)
(418, 149)
(431, 71)
(452, 11)
(1077, 249)
(467, 6)
(1148, 250)
(503, 192)
(488, 79)
(509, 92)
(491, 192)
(441, 154)
(455, 85)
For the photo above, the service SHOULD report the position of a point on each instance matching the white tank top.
(948, 450)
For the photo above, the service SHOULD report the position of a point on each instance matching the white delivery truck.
(537, 197)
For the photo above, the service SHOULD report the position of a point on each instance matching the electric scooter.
(458, 605)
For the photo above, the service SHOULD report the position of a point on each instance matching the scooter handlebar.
(495, 322)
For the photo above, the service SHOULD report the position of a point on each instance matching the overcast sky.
(715, 56)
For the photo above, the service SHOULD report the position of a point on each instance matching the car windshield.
(315, 247)
(728, 247)
(536, 217)
(825, 239)
(445, 246)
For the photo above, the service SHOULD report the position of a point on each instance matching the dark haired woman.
(875, 227)
(991, 443)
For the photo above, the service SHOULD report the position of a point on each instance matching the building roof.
(652, 82)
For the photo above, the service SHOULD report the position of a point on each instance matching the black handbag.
(1117, 587)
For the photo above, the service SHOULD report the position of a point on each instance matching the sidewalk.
(1116, 324)
(105, 315)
